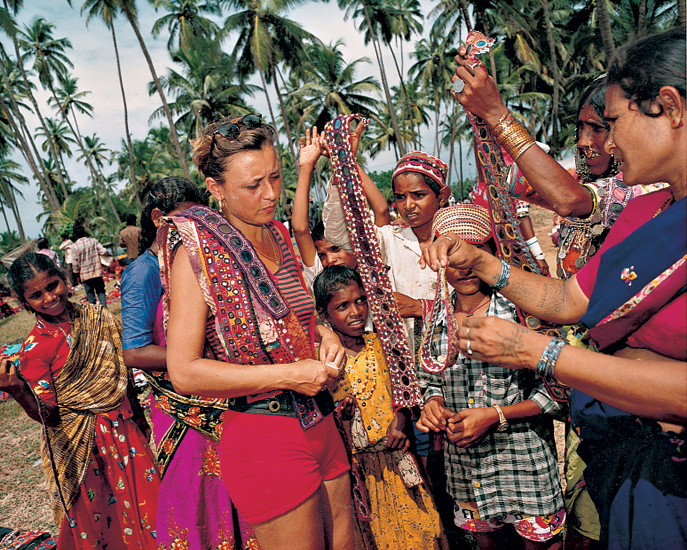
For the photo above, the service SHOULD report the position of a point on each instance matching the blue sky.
(94, 65)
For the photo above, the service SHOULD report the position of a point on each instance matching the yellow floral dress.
(402, 514)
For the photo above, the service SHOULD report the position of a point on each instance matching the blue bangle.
(547, 361)
(503, 278)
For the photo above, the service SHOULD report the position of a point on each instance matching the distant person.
(42, 244)
(66, 247)
(129, 238)
(86, 254)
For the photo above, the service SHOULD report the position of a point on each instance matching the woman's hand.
(407, 306)
(332, 350)
(310, 377)
(480, 95)
(450, 250)
(311, 148)
(434, 416)
(395, 433)
(469, 426)
(501, 342)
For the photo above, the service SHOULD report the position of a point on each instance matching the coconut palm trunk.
(175, 137)
(556, 74)
(605, 29)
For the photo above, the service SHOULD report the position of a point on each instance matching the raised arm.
(193, 374)
(375, 199)
(311, 149)
(552, 182)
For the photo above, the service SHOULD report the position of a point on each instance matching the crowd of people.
(273, 414)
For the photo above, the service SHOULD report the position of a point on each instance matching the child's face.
(463, 280)
(330, 254)
(347, 310)
(416, 201)
(46, 294)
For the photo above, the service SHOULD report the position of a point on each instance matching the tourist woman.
(234, 288)
(629, 401)
(70, 376)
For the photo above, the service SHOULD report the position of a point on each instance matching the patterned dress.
(117, 503)
(402, 514)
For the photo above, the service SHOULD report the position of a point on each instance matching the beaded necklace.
(361, 386)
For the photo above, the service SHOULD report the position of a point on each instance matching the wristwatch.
(503, 423)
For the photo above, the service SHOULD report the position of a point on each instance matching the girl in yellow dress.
(394, 508)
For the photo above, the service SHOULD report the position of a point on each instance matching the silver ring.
(458, 86)
(476, 64)
(469, 350)
(449, 238)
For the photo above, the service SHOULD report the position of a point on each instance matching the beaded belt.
(404, 387)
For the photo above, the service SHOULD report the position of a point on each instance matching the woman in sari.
(241, 331)
(70, 376)
(629, 400)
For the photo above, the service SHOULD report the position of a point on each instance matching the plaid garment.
(514, 472)
(86, 258)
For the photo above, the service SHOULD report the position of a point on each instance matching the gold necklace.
(273, 258)
(663, 206)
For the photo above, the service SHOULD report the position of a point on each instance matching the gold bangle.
(522, 149)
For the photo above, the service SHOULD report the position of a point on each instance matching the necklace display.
(274, 257)
(361, 386)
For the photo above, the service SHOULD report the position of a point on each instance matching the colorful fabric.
(375, 279)
(422, 163)
(52, 255)
(512, 472)
(86, 258)
(469, 221)
(402, 513)
(537, 529)
(107, 478)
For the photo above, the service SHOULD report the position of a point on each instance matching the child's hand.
(311, 148)
(346, 407)
(396, 437)
(357, 134)
(467, 427)
(434, 416)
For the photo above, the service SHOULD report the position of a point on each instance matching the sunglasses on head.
(232, 130)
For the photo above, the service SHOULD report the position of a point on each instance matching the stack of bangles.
(535, 248)
(547, 361)
(512, 136)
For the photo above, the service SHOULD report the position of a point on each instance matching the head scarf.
(470, 222)
(422, 163)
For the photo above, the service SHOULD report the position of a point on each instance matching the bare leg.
(337, 508)
(556, 543)
(299, 529)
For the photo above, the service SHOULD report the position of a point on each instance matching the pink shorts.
(270, 464)
(534, 528)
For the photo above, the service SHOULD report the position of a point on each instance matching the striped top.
(288, 279)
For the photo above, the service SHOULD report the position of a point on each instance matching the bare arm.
(310, 152)
(192, 374)
(375, 199)
(557, 301)
(22, 394)
(647, 385)
(551, 181)
(151, 358)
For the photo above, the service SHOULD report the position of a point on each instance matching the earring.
(582, 168)
(676, 123)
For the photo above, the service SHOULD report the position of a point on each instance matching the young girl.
(101, 473)
(500, 460)
(398, 512)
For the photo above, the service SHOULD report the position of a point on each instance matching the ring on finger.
(458, 86)
(469, 349)
(476, 64)
(449, 239)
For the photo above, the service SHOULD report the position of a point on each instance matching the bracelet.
(547, 361)
(535, 248)
(512, 136)
(503, 277)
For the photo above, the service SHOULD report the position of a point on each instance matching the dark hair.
(433, 185)
(65, 235)
(42, 243)
(78, 231)
(167, 195)
(332, 278)
(595, 96)
(26, 267)
(317, 232)
(212, 159)
(131, 219)
(641, 68)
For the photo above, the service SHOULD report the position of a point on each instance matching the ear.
(214, 189)
(156, 215)
(444, 194)
(673, 103)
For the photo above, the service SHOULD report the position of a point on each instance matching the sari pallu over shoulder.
(250, 323)
(92, 381)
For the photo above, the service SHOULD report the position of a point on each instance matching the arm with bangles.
(550, 180)
(646, 385)
(192, 374)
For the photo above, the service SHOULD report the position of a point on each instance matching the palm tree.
(605, 29)
(95, 153)
(330, 87)
(58, 134)
(265, 38)
(107, 11)
(129, 9)
(8, 192)
(185, 22)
